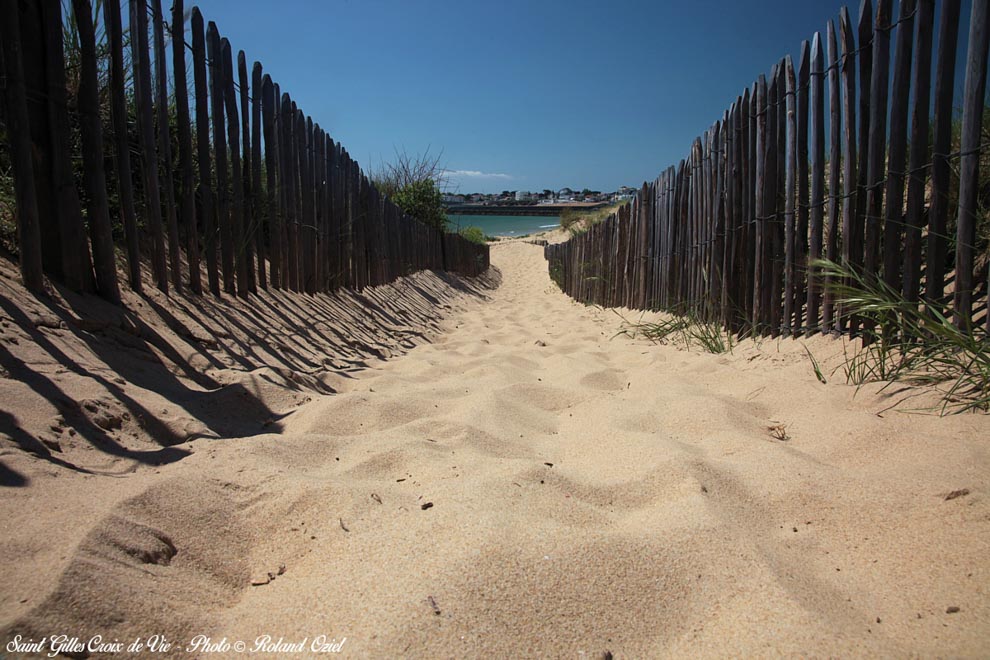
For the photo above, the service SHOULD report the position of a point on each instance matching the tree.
(413, 183)
(423, 201)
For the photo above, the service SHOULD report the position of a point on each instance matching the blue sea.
(505, 225)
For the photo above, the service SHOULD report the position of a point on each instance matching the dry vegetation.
(579, 220)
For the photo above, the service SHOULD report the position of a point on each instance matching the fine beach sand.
(590, 491)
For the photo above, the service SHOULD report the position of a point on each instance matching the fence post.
(187, 195)
(236, 175)
(737, 277)
(258, 213)
(268, 111)
(91, 131)
(721, 220)
(893, 233)
(878, 142)
(308, 238)
(851, 230)
(803, 192)
(834, 177)
(76, 268)
(938, 212)
(165, 145)
(920, 153)
(207, 206)
(790, 230)
(865, 41)
(149, 157)
(18, 132)
(750, 194)
(290, 279)
(248, 235)
(776, 292)
(969, 162)
(220, 153)
(122, 151)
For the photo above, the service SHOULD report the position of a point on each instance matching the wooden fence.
(731, 234)
(265, 198)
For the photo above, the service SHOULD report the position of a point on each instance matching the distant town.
(546, 197)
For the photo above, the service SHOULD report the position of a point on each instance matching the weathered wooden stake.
(149, 156)
(834, 168)
(28, 227)
(938, 212)
(249, 220)
(97, 207)
(920, 153)
(969, 162)
(271, 168)
(206, 208)
(236, 175)
(165, 145)
(77, 269)
(122, 151)
(257, 206)
(893, 227)
(187, 194)
(217, 85)
(817, 180)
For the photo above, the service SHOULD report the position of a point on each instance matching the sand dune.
(587, 492)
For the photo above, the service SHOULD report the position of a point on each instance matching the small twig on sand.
(779, 432)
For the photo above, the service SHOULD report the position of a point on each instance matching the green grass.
(475, 235)
(910, 344)
(817, 367)
(687, 330)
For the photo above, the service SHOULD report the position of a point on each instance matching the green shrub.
(423, 201)
(475, 235)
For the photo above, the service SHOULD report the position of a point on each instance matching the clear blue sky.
(521, 95)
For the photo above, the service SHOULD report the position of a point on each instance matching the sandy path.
(588, 494)
(668, 523)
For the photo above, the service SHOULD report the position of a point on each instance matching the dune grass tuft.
(687, 330)
(579, 220)
(911, 344)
